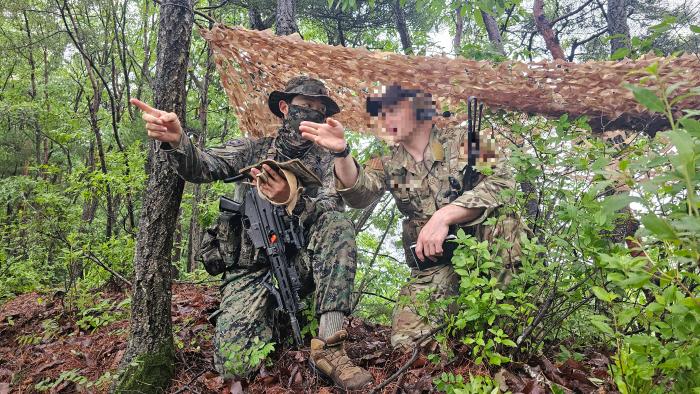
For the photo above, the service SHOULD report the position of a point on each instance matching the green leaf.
(636, 280)
(684, 146)
(616, 277)
(598, 322)
(672, 88)
(692, 126)
(616, 202)
(659, 227)
(695, 29)
(647, 98)
(495, 359)
(626, 315)
(652, 68)
(478, 18)
(677, 309)
(603, 294)
(491, 319)
(620, 53)
(641, 341)
(655, 308)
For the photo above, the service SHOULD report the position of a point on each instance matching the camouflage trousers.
(326, 268)
(409, 324)
(436, 283)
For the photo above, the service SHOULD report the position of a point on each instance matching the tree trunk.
(177, 244)
(402, 28)
(493, 32)
(98, 83)
(286, 17)
(224, 130)
(194, 238)
(617, 25)
(255, 19)
(195, 233)
(90, 205)
(150, 356)
(341, 34)
(545, 29)
(94, 107)
(459, 28)
(32, 88)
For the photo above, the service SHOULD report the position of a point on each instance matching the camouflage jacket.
(420, 189)
(200, 166)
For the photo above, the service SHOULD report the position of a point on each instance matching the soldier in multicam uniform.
(418, 173)
(326, 264)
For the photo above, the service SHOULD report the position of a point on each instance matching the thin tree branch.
(364, 282)
(375, 294)
(414, 357)
(574, 12)
(111, 271)
(203, 15)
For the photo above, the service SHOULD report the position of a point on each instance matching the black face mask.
(289, 139)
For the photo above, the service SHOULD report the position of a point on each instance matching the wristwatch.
(344, 153)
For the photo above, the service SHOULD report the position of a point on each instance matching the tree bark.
(177, 243)
(617, 25)
(255, 19)
(32, 86)
(195, 233)
(149, 359)
(341, 34)
(493, 31)
(285, 19)
(459, 28)
(402, 27)
(545, 29)
(94, 107)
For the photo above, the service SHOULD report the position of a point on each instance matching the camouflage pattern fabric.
(420, 189)
(326, 266)
(407, 324)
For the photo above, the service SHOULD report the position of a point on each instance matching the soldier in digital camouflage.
(326, 265)
(420, 172)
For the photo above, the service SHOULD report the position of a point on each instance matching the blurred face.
(398, 122)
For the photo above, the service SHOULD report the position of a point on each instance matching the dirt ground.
(44, 349)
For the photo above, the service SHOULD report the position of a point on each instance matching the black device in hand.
(448, 248)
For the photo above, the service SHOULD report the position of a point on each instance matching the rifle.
(469, 173)
(272, 230)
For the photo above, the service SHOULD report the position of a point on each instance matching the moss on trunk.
(148, 372)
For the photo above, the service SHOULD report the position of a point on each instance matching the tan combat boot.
(329, 357)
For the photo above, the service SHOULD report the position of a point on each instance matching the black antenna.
(475, 111)
(481, 111)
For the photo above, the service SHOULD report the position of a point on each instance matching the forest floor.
(46, 348)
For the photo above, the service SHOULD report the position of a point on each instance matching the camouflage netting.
(254, 63)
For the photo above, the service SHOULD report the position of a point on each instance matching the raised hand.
(329, 135)
(162, 126)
